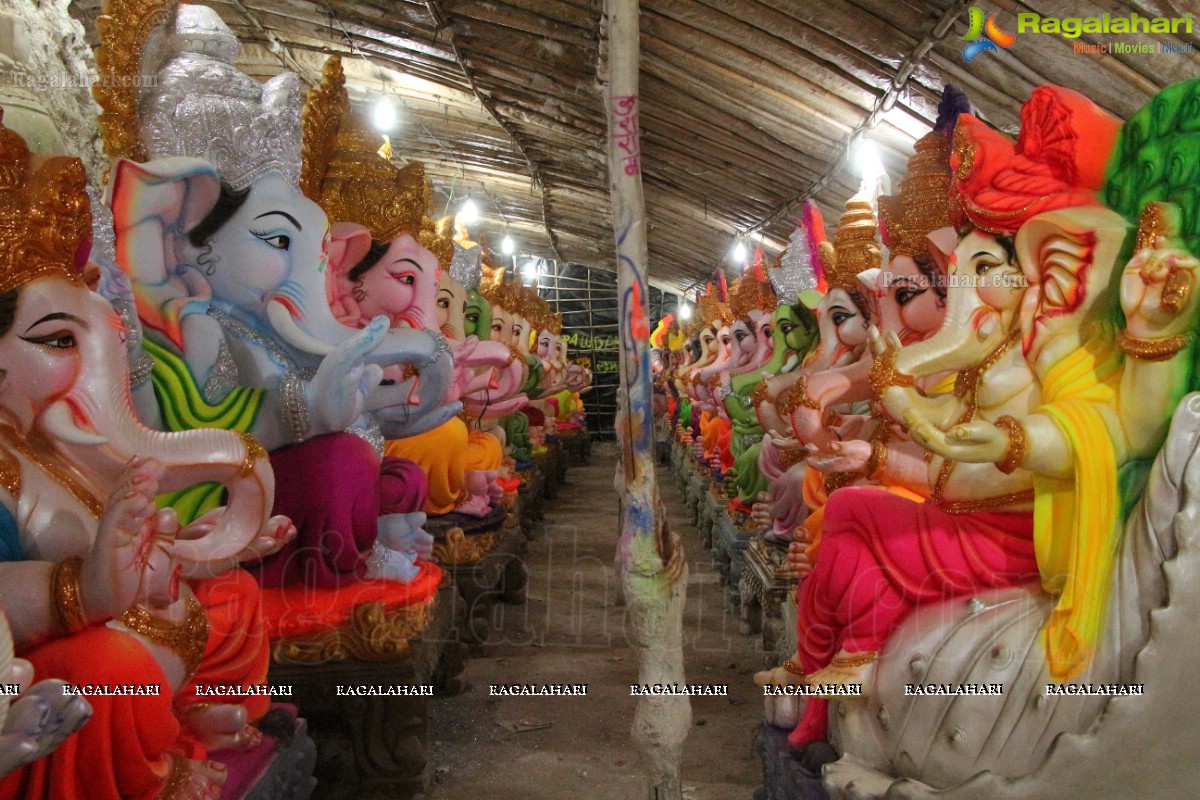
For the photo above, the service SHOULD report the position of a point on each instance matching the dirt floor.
(573, 630)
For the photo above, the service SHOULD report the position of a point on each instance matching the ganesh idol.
(99, 585)
(207, 182)
(1052, 398)
(909, 303)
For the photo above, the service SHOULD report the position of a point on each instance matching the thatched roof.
(747, 106)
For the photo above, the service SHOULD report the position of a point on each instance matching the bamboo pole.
(650, 558)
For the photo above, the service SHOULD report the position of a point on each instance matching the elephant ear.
(348, 245)
(154, 205)
(1068, 258)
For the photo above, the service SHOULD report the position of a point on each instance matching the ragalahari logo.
(990, 33)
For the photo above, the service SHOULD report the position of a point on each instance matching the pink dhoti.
(882, 555)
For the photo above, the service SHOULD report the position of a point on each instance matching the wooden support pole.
(651, 561)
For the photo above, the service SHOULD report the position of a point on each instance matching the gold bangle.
(1017, 443)
(1152, 349)
(885, 374)
(254, 451)
(759, 395)
(66, 599)
(187, 639)
(851, 660)
(878, 459)
(793, 667)
(791, 456)
(796, 395)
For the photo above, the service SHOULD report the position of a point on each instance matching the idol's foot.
(194, 780)
(845, 672)
(780, 708)
(222, 726)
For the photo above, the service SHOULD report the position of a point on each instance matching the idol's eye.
(408, 279)
(841, 316)
(983, 265)
(443, 303)
(280, 241)
(905, 296)
(786, 327)
(59, 340)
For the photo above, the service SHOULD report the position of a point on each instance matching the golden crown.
(438, 238)
(124, 28)
(923, 204)
(709, 307)
(344, 172)
(749, 293)
(45, 214)
(496, 290)
(853, 248)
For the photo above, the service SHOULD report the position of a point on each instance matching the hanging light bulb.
(685, 311)
(866, 157)
(507, 245)
(739, 252)
(383, 115)
(468, 212)
(530, 270)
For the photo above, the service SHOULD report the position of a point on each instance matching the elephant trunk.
(971, 329)
(95, 427)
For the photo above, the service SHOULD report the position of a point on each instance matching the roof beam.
(485, 100)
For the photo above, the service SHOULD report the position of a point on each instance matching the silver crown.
(795, 274)
(467, 265)
(205, 107)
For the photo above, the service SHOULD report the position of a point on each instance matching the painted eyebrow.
(285, 215)
(56, 316)
(985, 253)
(409, 261)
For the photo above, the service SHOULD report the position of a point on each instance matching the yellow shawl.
(1076, 520)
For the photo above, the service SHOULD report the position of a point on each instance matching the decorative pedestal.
(729, 543)
(764, 587)
(278, 769)
(697, 490)
(783, 778)
(790, 619)
(532, 505)
(484, 558)
(711, 506)
(370, 747)
(577, 447)
(553, 464)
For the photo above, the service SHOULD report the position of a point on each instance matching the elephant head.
(1054, 280)
(64, 391)
(398, 280)
(505, 396)
(794, 334)
(983, 299)
(552, 351)
(752, 342)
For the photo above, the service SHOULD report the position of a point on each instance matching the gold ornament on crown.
(345, 173)
(45, 214)
(709, 308)
(125, 28)
(438, 238)
(923, 204)
(853, 249)
(496, 290)
(750, 294)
